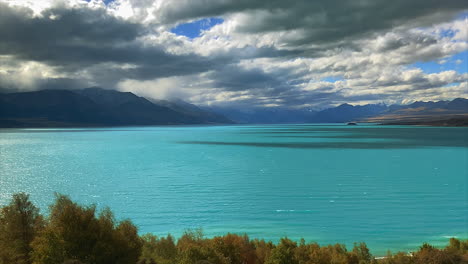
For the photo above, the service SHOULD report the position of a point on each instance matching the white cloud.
(171, 87)
(269, 61)
(25, 75)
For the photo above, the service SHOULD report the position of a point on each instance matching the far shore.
(453, 122)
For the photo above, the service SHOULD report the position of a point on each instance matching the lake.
(392, 187)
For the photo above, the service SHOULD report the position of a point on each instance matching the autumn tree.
(283, 253)
(158, 250)
(19, 223)
(193, 248)
(235, 248)
(361, 254)
(262, 250)
(74, 232)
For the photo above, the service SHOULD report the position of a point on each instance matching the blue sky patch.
(193, 29)
(105, 1)
(448, 33)
(458, 62)
(452, 84)
(332, 79)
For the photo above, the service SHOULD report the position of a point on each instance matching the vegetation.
(76, 234)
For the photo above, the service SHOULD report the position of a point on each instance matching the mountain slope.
(88, 107)
(100, 107)
(194, 111)
(49, 107)
(347, 113)
(129, 109)
(424, 112)
(421, 111)
(265, 115)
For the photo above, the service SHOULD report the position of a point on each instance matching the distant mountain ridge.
(347, 113)
(424, 112)
(92, 107)
(264, 115)
(193, 111)
(381, 113)
(99, 107)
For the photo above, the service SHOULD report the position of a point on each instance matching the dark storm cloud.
(87, 46)
(268, 87)
(234, 78)
(318, 21)
(73, 39)
(278, 87)
(62, 34)
(61, 83)
(405, 39)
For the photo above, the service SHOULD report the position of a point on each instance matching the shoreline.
(451, 122)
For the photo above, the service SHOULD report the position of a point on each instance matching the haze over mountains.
(264, 115)
(100, 107)
(379, 113)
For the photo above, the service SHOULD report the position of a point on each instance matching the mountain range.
(100, 107)
(441, 113)
(264, 115)
(96, 107)
(375, 113)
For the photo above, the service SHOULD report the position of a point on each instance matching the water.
(392, 187)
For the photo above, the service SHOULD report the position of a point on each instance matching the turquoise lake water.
(392, 187)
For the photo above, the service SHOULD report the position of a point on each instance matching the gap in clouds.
(194, 29)
(457, 62)
(333, 79)
(106, 2)
(247, 53)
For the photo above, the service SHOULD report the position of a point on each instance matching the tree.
(72, 261)
(283, 253)
(428, 254)
(73, 232)
(262, 250)
(19, 223)
(127, 243)
(192, 248)
(234, 248)
(362, 253)
(161, 250)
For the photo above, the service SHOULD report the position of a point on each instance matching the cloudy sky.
(295, 53)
